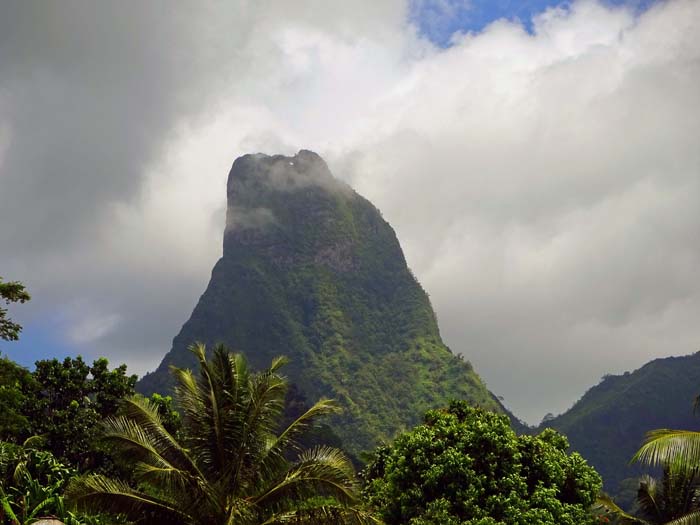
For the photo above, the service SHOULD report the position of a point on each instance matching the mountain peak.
(281, 173)
(274, 198)
(310, 269)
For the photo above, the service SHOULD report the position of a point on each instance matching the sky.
(538, 160)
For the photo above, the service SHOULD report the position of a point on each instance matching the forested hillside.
(607, 425)
(311, 270)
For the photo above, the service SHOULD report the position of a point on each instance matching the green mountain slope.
(311, 270)
(607, 425)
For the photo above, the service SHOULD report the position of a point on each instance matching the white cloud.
(544, 186)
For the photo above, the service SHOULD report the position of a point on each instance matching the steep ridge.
(607, 425)
(311, 270)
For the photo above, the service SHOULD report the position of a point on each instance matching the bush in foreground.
(465, 466)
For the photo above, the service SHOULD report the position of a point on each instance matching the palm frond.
(150, 465)
(277, 363)
(133, 441)
(679, 449)
(190, 401)
(279, 446)
(605, 505)
(170, 480)
(48, 503)
(261, 401)
(6, 509)
(96, 492)
(648, 498)
(324, 471)
(210, 404)
(266, 403)
(145, 414)
(324, 514)
(21, 471)
(323, 407)
(8, 453)
(34, 443)
(692, 518)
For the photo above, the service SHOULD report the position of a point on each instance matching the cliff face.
(311, 270)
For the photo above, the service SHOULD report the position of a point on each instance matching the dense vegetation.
(238, 460)
(78, 444)
(50, 431)
(465, 466)
(230, 463)
(62, 401)
(32, 482)
(311, 270)
(235, 455)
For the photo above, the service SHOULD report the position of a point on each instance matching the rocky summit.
(311, 270)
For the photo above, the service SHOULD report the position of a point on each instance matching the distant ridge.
(311, 270)
(607, 425)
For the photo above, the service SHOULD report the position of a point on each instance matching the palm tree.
(670, 500)
(675, 500)
(230, 464)
(678, 452)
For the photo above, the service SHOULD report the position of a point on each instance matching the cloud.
(544, 184)
(88, 327)
(549, 195)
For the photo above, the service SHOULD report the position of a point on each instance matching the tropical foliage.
(678, 497)
(465, 466)
(675, 498)
(10, 292)
(15, 383)
(64, 402)
(31, 485)
(672, 497)
(231, 463)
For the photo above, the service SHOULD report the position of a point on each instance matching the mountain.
(607, 425)
(311, 270)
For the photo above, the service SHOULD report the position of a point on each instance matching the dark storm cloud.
(110, 228)
(89, 95)
(88, 91)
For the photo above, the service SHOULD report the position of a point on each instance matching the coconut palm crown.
(675, 499)
(678, 452)
(230, 463)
